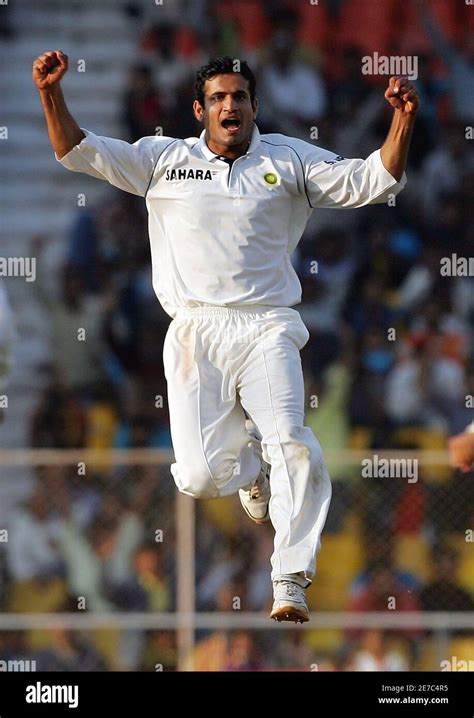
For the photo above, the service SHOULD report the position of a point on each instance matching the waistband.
(210, 310)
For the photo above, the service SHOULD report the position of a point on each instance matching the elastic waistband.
(210, 310)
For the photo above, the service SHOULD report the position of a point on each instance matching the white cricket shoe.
(289, 600)
(255, 500)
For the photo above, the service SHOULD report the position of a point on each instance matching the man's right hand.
(49, 68)
(461, 451)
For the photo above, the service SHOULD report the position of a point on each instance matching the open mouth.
(231, 124)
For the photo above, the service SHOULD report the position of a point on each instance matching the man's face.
(227, 114)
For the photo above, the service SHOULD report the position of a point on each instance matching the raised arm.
(63, 130)
(129, 167)
(332, 181)
(402, 96)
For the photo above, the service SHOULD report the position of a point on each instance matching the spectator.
(69, 650)
(443, 170)
(460, 64)
(171, 71)
(7, 336)
(381, 594)
(100, 560)
(141, 104)
(33, 532)
(443, 593)
(292, 92)
(59, 420)
(374, 360)
(146, 589)
(377, 652)
(379, 554)
(77, 333)
(372, 311)
(424, 389)
(242, 653)
(330, 266)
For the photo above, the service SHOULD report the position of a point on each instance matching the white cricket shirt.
(223, 235)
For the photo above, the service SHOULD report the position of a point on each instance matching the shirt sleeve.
(127, 166)
(334, 181)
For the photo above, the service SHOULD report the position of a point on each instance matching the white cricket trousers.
(223, 365)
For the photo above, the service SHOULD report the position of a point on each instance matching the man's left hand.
(402, 95)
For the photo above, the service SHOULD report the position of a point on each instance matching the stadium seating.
(337, 567)
(368, 25)
(412, 554)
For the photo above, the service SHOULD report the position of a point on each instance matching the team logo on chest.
(189, 174)
(272, 179)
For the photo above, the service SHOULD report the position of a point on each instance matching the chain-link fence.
(107, 567)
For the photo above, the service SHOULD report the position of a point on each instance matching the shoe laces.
(255, 492)
(291, 588)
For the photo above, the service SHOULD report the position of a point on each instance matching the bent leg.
(214, 454)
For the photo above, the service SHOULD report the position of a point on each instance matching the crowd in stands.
(389, 363)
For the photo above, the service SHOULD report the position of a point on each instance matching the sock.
(301, 578)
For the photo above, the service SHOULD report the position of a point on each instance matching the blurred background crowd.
(389, 364)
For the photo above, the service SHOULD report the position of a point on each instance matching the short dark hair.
(223, 66)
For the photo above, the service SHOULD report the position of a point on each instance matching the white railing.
(186, 620)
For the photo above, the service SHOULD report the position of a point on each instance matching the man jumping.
(226, 210)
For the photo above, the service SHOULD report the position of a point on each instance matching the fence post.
(186, 575)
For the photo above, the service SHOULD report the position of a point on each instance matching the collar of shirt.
(210, 155)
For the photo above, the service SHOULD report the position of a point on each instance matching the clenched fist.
(402, 95)
(49, 68)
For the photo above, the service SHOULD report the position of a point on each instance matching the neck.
(232, 153)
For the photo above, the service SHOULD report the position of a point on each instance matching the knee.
(308, 452)
(300, 449)
(195, 481)
(314, 449)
